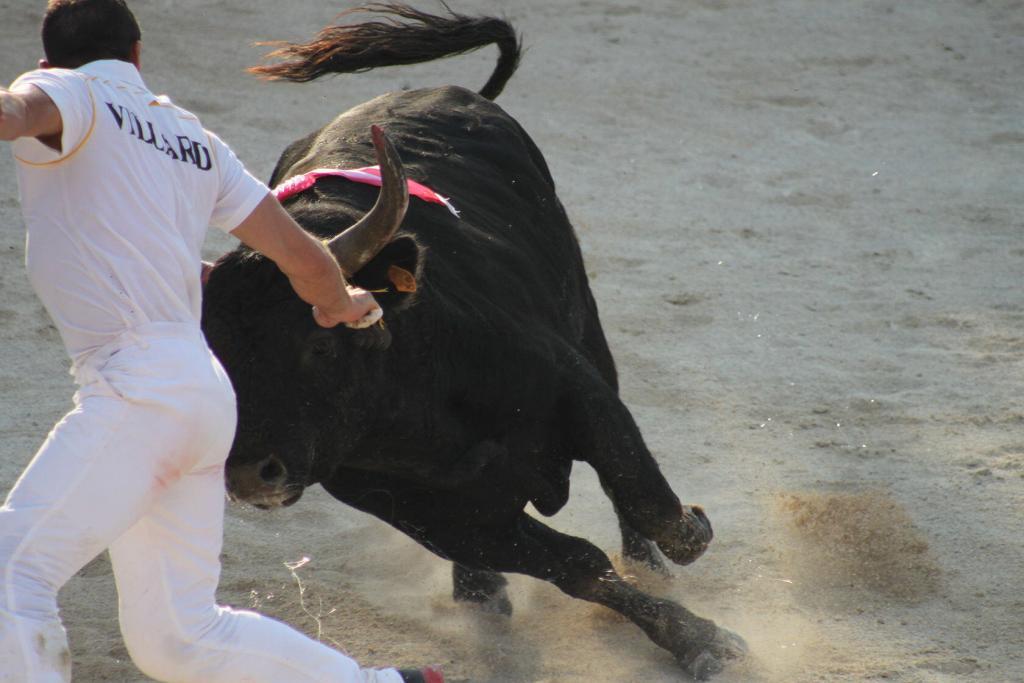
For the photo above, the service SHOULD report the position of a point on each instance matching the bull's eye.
(322, 347)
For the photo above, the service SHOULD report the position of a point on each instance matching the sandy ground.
(802, 221)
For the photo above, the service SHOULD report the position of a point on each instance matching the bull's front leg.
(583, 571)
(701, 647)
(606, 436)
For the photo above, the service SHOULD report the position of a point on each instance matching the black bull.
(484, 385)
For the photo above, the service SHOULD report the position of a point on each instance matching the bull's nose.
(272, 471)
(264, 483)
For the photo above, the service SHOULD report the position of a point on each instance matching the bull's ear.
(393, 274)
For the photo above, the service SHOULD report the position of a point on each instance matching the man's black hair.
(76, 32)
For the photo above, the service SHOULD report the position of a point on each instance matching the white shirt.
(116, 219)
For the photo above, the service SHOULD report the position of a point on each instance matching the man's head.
(76, 32)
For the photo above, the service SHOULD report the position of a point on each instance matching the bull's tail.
(390, 42)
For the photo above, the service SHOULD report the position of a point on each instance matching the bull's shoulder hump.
(442, 99)
(449, 95)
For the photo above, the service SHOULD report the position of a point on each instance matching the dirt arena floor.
(803, 224)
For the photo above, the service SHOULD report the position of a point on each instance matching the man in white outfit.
(118, 187)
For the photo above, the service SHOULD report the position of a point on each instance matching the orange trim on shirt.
(75, 151)
(182, 113)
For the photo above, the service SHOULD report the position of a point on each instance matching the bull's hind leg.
(582, 571)
(480, 587)
(606, 436)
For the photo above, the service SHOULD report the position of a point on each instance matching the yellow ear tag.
(402, 279)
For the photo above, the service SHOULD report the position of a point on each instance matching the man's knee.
(158, 655)
(163, 651)
(33, 650)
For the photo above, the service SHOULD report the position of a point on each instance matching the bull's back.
(512, 247)
(449, 138)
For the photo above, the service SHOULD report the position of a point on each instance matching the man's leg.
(167, 565)
(76, 496)
(152, 464)
(167, 568)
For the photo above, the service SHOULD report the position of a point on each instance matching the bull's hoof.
(641, 553)
(709, 659)
(687, 538)
(491, 603)
(483, 589)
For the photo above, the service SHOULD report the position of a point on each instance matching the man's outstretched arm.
(29, 112)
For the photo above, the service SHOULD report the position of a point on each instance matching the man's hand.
(30, 112)
(312, 271)
(361, 312)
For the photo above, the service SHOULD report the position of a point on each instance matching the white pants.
(137, 467)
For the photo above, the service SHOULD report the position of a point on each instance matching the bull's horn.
(355, 247)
